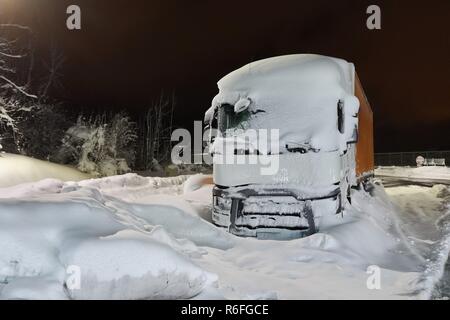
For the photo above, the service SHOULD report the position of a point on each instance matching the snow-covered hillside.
(133, 237)
(15, 169)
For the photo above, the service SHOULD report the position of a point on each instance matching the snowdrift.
(432, 172)
(15, 169)
(120, 249)
(133, 237)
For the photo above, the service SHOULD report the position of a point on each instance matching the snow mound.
(27, 189)
(431, 172)
(133, 267)
(440, 191)
(16, 169)
(134, 188)
(123, 251)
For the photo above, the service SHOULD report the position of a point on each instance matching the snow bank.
(432, 172)
(16, 169)
(132, 187)
(121, 249)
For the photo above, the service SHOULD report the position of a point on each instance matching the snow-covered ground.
(130, 237)
(432, 172)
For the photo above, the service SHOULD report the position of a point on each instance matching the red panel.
(364, 146)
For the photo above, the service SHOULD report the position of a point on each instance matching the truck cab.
(293, 135)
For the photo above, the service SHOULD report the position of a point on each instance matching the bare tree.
(155, 129)
(53, 67)
(15, 49)
(19, 108)
(16, 64)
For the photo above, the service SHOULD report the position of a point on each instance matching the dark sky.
(128, 52)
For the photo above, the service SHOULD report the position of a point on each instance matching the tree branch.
(14, 26)
(13, 56)
(18, 88)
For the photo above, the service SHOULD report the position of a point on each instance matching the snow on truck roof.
(295, 68)
(298, 95)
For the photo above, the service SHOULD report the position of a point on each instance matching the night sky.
(128, 52)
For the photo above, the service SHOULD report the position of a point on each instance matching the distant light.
(420, 161)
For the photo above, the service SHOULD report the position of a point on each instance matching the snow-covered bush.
(99, 146)
(9, 130)
(121, 136)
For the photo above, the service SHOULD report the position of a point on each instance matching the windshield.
(228, 120)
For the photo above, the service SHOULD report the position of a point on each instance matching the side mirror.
(209, 114)
(242, 105)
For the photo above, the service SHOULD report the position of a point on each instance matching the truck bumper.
(278, 214)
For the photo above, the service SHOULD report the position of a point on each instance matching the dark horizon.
(129, 52)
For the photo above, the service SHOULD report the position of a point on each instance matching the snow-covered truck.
(322, 146)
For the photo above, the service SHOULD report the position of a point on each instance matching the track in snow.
(442, 288)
